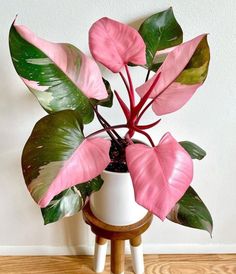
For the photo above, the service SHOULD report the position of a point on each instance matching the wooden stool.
(117, 235)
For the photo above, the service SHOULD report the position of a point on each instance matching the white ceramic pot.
(114, 203)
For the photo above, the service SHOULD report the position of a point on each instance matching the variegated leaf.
(58, 156)
(191, 211)
(59, 75)
(182, 73)
(70, 201)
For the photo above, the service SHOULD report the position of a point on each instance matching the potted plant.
(62, 167)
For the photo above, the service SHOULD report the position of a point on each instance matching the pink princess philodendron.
(62, 166)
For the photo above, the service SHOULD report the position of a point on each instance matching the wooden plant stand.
(117, 235)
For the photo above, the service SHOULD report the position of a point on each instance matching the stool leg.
(100, 254)
(137, 254)
(117, 256)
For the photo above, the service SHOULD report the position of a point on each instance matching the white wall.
(209, 119)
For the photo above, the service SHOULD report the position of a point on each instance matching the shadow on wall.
(77, 235)
(137, 23)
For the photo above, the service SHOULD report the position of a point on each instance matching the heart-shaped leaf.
(183, 71)
(57, 156)
(193, 150)
(59, 75)
(70, 201)
(160, 31)
(160, 174)
(115, 44)
(191, 211)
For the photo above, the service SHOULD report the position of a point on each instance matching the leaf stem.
(150, 103)
(105, 124)
(123, 105)
(145, 134)
(131, 88)
(107, 129)
(148, 125)
(147, 76)
(124, 80)
(144, 98)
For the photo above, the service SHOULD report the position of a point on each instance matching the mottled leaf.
(191, 211)
(182, 73)
(58, 156)
(59, 75)
(86, 189)
(65, 204)
(70, 201)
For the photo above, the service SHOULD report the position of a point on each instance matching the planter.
(114, 203)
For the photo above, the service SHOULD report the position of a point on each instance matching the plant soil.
(117, 155)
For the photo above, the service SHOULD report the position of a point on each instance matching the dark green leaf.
(193, 150)
(86, 189)
(191, 211)
(160, 31)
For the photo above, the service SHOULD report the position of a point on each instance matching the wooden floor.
(163, 264)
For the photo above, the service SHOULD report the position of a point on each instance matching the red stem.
(145, 134)
(123, 105)
(131, 89)
(124, 80)
(128, 89)
(106, 129)
(152, 101)
(146, 95)
(149, 125)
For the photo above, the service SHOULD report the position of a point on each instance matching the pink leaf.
(87, 162)
(115, 44)
(79, 68)
(174, 97)
(160, 174)
(172, 93)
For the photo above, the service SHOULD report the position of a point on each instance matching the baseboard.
(147, 248)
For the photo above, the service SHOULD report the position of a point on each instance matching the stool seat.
(117, 235)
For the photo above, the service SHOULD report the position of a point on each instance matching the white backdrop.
(209, 119)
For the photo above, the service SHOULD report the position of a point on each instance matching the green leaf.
(86, 189)
(53, 140)
(160, 31)
(58, 92)
(191, 211)
(193, 150)
(107, 102)
(70, 201)
(196, 70)
(65, 204)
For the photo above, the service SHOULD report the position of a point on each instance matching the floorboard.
(163, 264)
